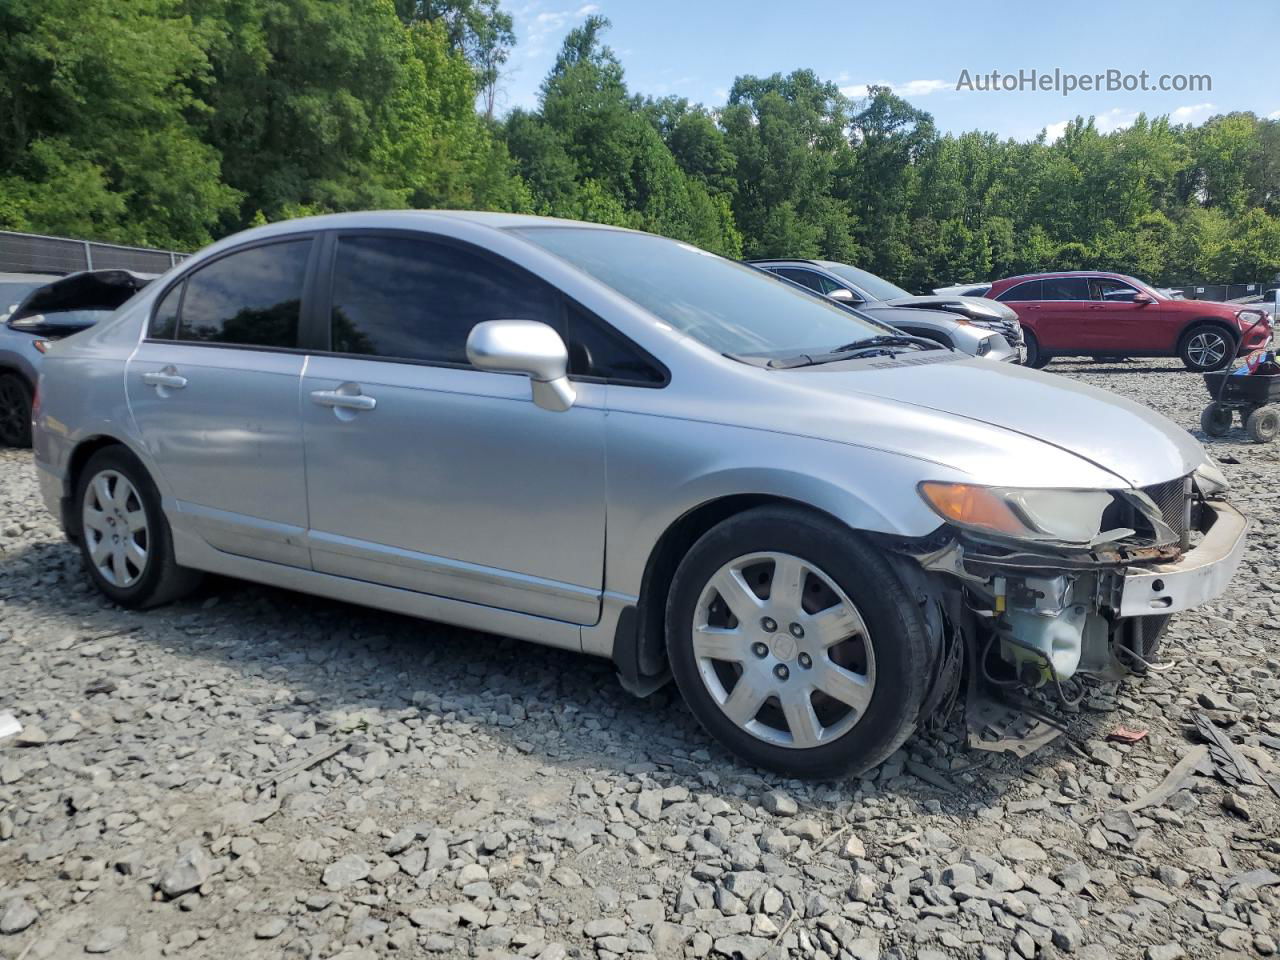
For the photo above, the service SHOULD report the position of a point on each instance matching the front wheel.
(125, 540)
(15, 411)
(1036, 358)
(1215, 419)
(1206, 348)
(795, 645)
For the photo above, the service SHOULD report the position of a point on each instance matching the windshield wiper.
(886, 340)
(883, 343)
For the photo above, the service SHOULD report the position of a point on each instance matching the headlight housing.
(1209, 480)
(1068, 516)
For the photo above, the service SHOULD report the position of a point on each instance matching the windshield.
(11, 294)
(730, 307)
(870, 284)
(1145, 288)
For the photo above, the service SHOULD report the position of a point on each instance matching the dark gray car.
(37, 310)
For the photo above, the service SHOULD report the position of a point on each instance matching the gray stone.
(187, 873)
(17, 916)
(106, 940)
(779, 804)
(344, 872)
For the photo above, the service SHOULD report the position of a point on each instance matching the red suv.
(1111, 315)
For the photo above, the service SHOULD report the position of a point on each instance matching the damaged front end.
(1045, 588)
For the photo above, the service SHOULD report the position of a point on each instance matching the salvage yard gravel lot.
(257, 773)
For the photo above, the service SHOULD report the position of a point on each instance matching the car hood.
(973, 308)
(887, 313)
(976, 416)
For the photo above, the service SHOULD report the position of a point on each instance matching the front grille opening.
(1172, 498)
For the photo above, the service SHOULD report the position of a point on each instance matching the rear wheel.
(15, 411)
(1036, 359)
(795, 645)
(1215, 419)
(1207, 347)
(1263, 424)
(125, 540)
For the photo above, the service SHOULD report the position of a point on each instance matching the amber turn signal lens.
(972, 506)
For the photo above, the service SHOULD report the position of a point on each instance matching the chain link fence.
(34, 253)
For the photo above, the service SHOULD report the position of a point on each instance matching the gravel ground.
(256, 773)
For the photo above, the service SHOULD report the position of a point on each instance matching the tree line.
(170, 123)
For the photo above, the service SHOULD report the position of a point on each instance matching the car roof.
(1053, 275)
(497, 221)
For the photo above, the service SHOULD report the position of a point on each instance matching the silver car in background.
(623, 445)
(973, 325)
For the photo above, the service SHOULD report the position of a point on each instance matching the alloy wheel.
(783, 651)
(1207, 349)
(115, 528)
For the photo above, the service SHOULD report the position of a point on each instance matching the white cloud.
(537, 28)
(1192, 112)
(1053, 131)
(1274, 115)
(1117, 118)
(912, 88)
(921, 88)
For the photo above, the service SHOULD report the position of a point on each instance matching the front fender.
(661, 469)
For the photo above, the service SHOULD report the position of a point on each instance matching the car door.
(213, 390)
(1124, 326)
(1065, 316)
(427, 474)
(1025, 300)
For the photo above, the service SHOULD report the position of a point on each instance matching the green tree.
(97, 138)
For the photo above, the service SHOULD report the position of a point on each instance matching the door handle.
(162, 379)
(346, 401)
(1095, 308)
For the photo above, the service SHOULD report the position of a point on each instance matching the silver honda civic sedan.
(623, 445)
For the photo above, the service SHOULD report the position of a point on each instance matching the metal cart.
(1254, 396)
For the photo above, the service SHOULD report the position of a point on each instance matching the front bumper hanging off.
(1200, 575)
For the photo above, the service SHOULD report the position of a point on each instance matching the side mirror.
(1141, 299)
(844, 296)
(528, 347)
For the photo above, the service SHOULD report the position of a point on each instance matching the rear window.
(1030, 290)
(1065, 288)
(249, 298)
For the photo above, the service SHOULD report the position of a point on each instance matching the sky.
(922, 48)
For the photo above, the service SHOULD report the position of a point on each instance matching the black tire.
(1036, 359)
(898, 637)
(159, 579)
(1215, 419)
(15, 410)
(1207, 347)
(1263, 424)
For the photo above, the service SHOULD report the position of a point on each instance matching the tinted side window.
(1065, 288)
(251, 298)
(805, 278)
(164, 321)
(413, 299)
(597, 350)
(1111, 291)
(1022, 292)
